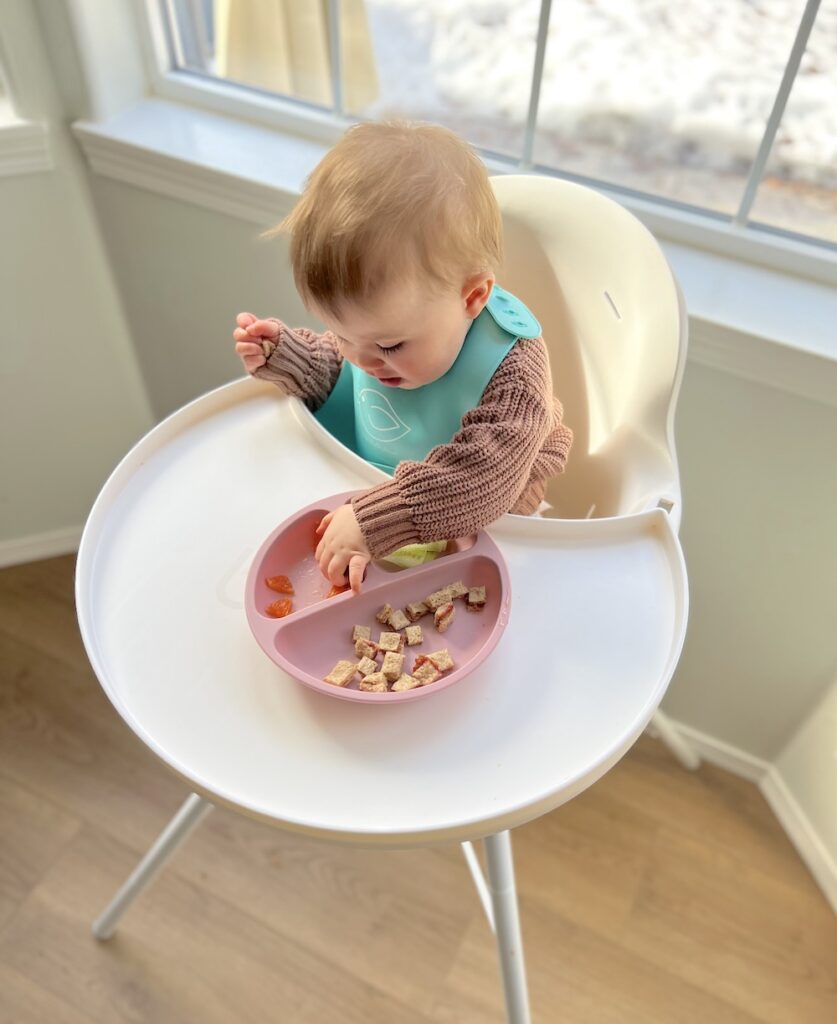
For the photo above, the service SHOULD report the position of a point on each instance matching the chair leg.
(194, 809)
(507, 925)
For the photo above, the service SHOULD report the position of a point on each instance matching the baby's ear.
(476, 292)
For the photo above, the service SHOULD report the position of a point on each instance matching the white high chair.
(167, 546)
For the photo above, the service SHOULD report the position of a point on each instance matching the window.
(728, 108)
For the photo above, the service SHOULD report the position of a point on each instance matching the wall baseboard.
(783, 803)
(716, 752)
(801, 833)
(39, 546)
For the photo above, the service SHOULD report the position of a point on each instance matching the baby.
(427, 369)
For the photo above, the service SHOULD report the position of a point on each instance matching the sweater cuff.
(384, 519)
(288, 365)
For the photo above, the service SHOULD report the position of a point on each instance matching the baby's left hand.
(342, 547)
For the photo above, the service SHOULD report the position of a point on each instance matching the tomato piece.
(337, 590)
(281, 584)
(279, 609)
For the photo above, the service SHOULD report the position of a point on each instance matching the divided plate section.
(309, 645)
(291, 553)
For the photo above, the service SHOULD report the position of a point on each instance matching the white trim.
(39, 546)
(779, 797)
(763, 360)
(722, 754)
(24, 148)
(801, 833)
(758, 324)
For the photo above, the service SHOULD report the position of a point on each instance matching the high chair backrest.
(614, 323)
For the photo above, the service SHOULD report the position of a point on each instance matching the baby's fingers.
(245, 319)
(324, 523)
(263, 329)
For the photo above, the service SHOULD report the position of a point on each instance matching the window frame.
(751, 242)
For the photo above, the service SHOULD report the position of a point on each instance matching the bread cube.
(361, 633)
(366, 666)
(443, 617)
(383, 614)
(426, 674)
(441, 660)
(398, 620)
(405, 682)
(366, 649)
(342, 673)
(414, 635)
(392, 666)
(375, 683)
(391, 642)
(439, 597)
(415, 610)
(475, 601)
(457, 589)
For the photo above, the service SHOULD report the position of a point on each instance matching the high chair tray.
(598, 622)
(309, 641)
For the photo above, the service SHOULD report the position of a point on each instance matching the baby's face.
(408, 335)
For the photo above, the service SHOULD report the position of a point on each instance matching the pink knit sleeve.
(464, 485)
(304, 364)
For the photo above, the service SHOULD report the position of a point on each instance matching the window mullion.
(792, 67)
(537, 79)
(335, 54)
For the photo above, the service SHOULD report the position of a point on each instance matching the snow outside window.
(673, 101)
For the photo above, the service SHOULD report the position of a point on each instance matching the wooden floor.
(658, 895)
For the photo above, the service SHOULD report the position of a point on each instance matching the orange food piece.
(279, 609)
(337, 590)
(281, 584)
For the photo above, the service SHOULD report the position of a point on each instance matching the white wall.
(809, 766)
(72, 397)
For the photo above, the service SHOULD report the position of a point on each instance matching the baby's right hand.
(255, 340)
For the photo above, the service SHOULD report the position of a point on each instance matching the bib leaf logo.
(378, 418)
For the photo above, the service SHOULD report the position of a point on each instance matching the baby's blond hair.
(389, 199)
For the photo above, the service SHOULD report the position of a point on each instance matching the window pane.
(799, 189)
(668, 99)
(466, 64)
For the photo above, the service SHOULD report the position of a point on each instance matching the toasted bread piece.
(405, 682)
(361, 633)
(437, 598)
(375, 683)
(366, 649)
(414, 635)
(443, 617)
(366, 666)
(415, 610)
(391, 642)
(457, 589)
(392, 666)
(426, 673)
(475, 601)
(383, 614)
(441, 660)
(398, 620)
(342, 673)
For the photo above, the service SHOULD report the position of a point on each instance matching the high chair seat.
(614, 322)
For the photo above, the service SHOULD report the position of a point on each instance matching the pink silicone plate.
(309, 642)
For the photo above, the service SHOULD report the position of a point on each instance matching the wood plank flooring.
(659, 896)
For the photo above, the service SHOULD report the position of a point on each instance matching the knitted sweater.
(499, 461)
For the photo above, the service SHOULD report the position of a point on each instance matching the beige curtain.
(283, 46)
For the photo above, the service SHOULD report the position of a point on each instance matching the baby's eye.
(392, 348)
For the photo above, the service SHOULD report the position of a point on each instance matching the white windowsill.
(748, 320)
(24, 147)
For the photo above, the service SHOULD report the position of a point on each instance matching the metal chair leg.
(194, 809)
(507, 925)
